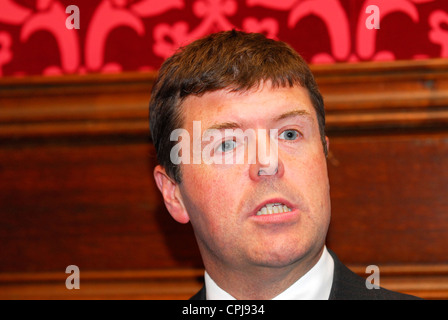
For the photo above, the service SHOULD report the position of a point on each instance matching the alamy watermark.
(373, 21)
(72, 21)
(73, 280)
(373, 281)
(228, 146)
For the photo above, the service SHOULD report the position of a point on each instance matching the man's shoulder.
(347, 285)
(200, 295)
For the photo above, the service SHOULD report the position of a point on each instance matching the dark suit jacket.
(347, 285)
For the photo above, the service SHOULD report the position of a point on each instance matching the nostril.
(263, 172)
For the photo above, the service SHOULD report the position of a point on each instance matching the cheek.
(208, 192)
(308, 174)
(210, 200)
(196, 188)
(308, 164)
(319, 188)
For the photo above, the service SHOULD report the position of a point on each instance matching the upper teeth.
(271, 208)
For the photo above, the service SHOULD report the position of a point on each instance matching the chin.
(283, 255)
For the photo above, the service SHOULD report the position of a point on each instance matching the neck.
(248, 282)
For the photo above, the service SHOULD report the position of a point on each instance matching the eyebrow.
(224, 125)
(236, 125)
(294, 113)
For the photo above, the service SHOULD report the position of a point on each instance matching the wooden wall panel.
(93, 205)
(389, 198)
(76, 183)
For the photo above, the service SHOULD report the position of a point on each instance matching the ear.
(171, 195)
(328, 143)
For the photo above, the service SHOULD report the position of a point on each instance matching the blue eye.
(227, 146)
(289, 135)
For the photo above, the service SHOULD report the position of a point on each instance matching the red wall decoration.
(137, 35)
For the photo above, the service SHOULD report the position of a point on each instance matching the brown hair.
(232, 60)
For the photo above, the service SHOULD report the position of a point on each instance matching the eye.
(289, 135)
(226, 146)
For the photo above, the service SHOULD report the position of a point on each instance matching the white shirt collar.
(314, 285)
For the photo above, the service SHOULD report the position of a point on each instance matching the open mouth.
(272, 208)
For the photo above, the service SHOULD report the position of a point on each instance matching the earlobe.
(171, 195)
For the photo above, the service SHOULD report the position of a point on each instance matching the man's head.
(245, 222)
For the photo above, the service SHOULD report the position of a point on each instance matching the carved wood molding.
(357, 96)
(426, 281)
(126, 284)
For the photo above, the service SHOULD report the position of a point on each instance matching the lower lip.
(277, 218)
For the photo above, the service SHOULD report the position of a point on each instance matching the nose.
(268, 163)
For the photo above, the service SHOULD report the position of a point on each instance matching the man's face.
(224, 201)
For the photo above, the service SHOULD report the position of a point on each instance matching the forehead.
(253, 107)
